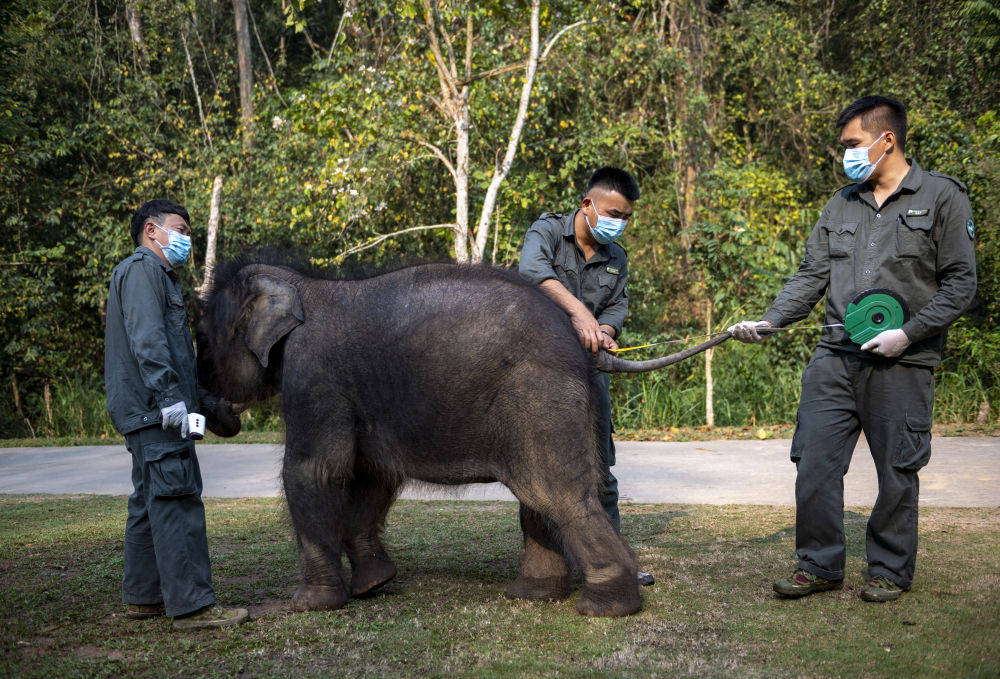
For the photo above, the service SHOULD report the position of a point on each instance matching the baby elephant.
(445, 373)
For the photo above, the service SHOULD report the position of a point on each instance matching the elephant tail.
(610, 363)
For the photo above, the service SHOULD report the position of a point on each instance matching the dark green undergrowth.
(711, 613)
(754, 386)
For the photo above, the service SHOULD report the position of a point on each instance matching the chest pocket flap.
(608, 280)
(913, 233)
(841, 235)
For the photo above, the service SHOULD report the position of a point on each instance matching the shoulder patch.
(957, 182)
(970, 226)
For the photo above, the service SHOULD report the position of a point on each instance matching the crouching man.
(149, 376)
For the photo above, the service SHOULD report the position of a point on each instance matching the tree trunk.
(135, 30)
(462, 180)
(709, 386)
(501, 170)
(213, 235)
(246, 69)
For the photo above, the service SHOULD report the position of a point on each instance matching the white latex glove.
(746, 331)
(176, 416)
(888, 343)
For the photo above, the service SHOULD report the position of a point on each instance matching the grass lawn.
(710, 614)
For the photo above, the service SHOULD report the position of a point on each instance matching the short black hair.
(155, 209)
(616, 180)
(877, 114)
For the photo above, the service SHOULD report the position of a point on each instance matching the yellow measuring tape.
(762, 331)
(673, 341)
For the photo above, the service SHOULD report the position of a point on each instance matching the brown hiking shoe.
(881, 588)
(211, 616)
(144, 611)
(802, 583)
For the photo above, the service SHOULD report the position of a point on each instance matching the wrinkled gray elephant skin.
(444, 373)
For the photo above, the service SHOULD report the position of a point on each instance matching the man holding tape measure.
(893, 253)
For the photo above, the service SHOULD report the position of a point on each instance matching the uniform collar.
(569, 231)
(911, 182)
(143, 250)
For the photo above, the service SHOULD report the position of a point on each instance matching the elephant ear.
(272, 310)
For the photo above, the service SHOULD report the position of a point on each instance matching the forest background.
(324, 126)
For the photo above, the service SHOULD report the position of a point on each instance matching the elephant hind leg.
(370, 497)
(610, 587)
(544, 572)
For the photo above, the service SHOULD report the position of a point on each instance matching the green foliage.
(723, 110)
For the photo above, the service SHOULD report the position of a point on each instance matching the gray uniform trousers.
(843, 394)
(609, 484)
(166, 546)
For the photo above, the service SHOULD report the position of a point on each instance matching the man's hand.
(588, 330)
(176, 416)
(888, 343)
(746, 331)
(608, 342)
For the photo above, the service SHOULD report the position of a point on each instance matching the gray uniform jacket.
(919, 243)
(148, 353)
(550, 251)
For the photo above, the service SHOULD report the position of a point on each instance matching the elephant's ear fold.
(272, 310)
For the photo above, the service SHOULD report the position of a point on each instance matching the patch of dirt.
(89, 652)
(269, 607)
(34, 647)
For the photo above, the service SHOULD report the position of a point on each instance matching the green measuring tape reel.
(873, 311)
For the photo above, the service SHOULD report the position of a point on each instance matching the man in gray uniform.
(576, 261)
(911, 231)
(149, 376)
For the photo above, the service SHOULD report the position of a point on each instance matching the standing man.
(149, 376)
(576, 261)
(911, 231)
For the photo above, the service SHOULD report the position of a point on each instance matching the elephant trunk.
(610, 363)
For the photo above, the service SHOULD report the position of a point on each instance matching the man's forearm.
(561, 296)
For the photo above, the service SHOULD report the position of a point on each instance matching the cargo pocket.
(796, 453)
(173, 471)
(913, 450)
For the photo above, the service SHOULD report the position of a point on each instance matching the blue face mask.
(607, 230)
(178, 247)
(856, 163)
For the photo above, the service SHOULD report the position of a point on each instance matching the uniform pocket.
(913, 450)
(173, 469)
(913, 235)
(176, 312)
(841, 237)
(796, 452)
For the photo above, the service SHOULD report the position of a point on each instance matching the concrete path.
(963, 472)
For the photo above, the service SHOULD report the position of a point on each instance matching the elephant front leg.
(316, 508)
(544, 572)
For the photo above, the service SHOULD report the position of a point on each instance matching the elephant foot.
(609, 600)
(318, 598)
(539, 589)
(368, 577)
